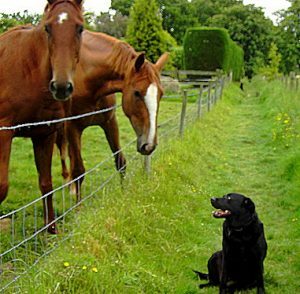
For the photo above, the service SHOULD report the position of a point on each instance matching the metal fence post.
(200, 102)
(183, 111)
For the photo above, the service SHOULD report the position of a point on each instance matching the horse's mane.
(121, 56)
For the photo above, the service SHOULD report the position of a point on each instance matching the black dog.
(239, 265)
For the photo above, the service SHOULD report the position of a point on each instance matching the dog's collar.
(245, 226)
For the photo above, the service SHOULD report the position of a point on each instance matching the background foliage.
(163, 28)
(210, 49)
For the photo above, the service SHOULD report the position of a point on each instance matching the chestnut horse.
(107, 66)
(37, 65)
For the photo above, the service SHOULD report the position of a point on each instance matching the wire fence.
(24, 240)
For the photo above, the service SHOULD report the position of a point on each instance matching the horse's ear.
(140, 60)
(160, 63)
(51, 1)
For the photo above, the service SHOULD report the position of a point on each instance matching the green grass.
(147, 236)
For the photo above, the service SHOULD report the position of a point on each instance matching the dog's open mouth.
(221, 213)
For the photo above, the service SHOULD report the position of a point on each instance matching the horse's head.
(63, 24)
(141, 97)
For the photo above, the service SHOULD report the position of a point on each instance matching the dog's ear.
(248, 204)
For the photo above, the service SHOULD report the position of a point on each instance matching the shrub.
(211, 49)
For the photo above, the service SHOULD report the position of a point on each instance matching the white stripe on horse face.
(151, 103)
(62, 17)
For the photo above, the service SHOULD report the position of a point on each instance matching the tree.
(247, 26)
(289, 32)
(145, 32)
(114, 25)
(271, 70)
(122, 6)
(10, 20)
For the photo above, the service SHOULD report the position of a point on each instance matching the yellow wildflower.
(84, 267)
(95, 270)
(66, 264)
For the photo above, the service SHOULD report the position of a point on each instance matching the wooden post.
(222, 80)
(208, 97)
(147, 163)
(200, 102)
(292, 80)
(183, 112)
(215, 92)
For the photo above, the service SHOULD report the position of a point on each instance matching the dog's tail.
(201, 276)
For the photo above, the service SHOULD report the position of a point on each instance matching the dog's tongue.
(221, 213)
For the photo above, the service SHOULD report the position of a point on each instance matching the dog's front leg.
(223, 278)
(260, 280)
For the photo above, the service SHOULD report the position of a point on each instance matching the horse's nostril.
(144, 148)
(53, 86)
(147, 149)
(69, 87)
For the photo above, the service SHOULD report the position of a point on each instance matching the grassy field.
(147, 236)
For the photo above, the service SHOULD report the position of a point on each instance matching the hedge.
(210, 49)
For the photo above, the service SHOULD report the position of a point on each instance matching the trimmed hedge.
(210, 49)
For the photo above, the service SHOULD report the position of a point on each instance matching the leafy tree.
(122, 6)
(247, 26)
(114, 25)
(289, 36)
(178, 16)
(271, 70)
(10, 20)
(145, 32)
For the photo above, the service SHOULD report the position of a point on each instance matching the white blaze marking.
(151, 103)
(62, 17)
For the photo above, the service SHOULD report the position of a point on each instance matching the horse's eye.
(138, 94)
(48, 29)
(79, 29)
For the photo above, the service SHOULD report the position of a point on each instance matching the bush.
(210, 49)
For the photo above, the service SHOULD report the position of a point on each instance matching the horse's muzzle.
(61, 91)
(146, 149)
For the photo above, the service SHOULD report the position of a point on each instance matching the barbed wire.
(55, 121)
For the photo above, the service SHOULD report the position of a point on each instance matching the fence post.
(208, 97)
(215, 91)
(147, 163)
(183, 111)
(222, 86)
(292, 79)
(200, 102)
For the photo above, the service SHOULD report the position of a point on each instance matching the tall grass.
(147, 236)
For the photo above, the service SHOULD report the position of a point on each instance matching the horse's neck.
(95, 61)
(29, 52)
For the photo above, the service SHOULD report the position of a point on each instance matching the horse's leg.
(76, 162)
(5, 149)
(43, 150)
(61, 143)
(111, 131)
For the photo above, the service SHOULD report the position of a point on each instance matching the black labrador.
(239, 265)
